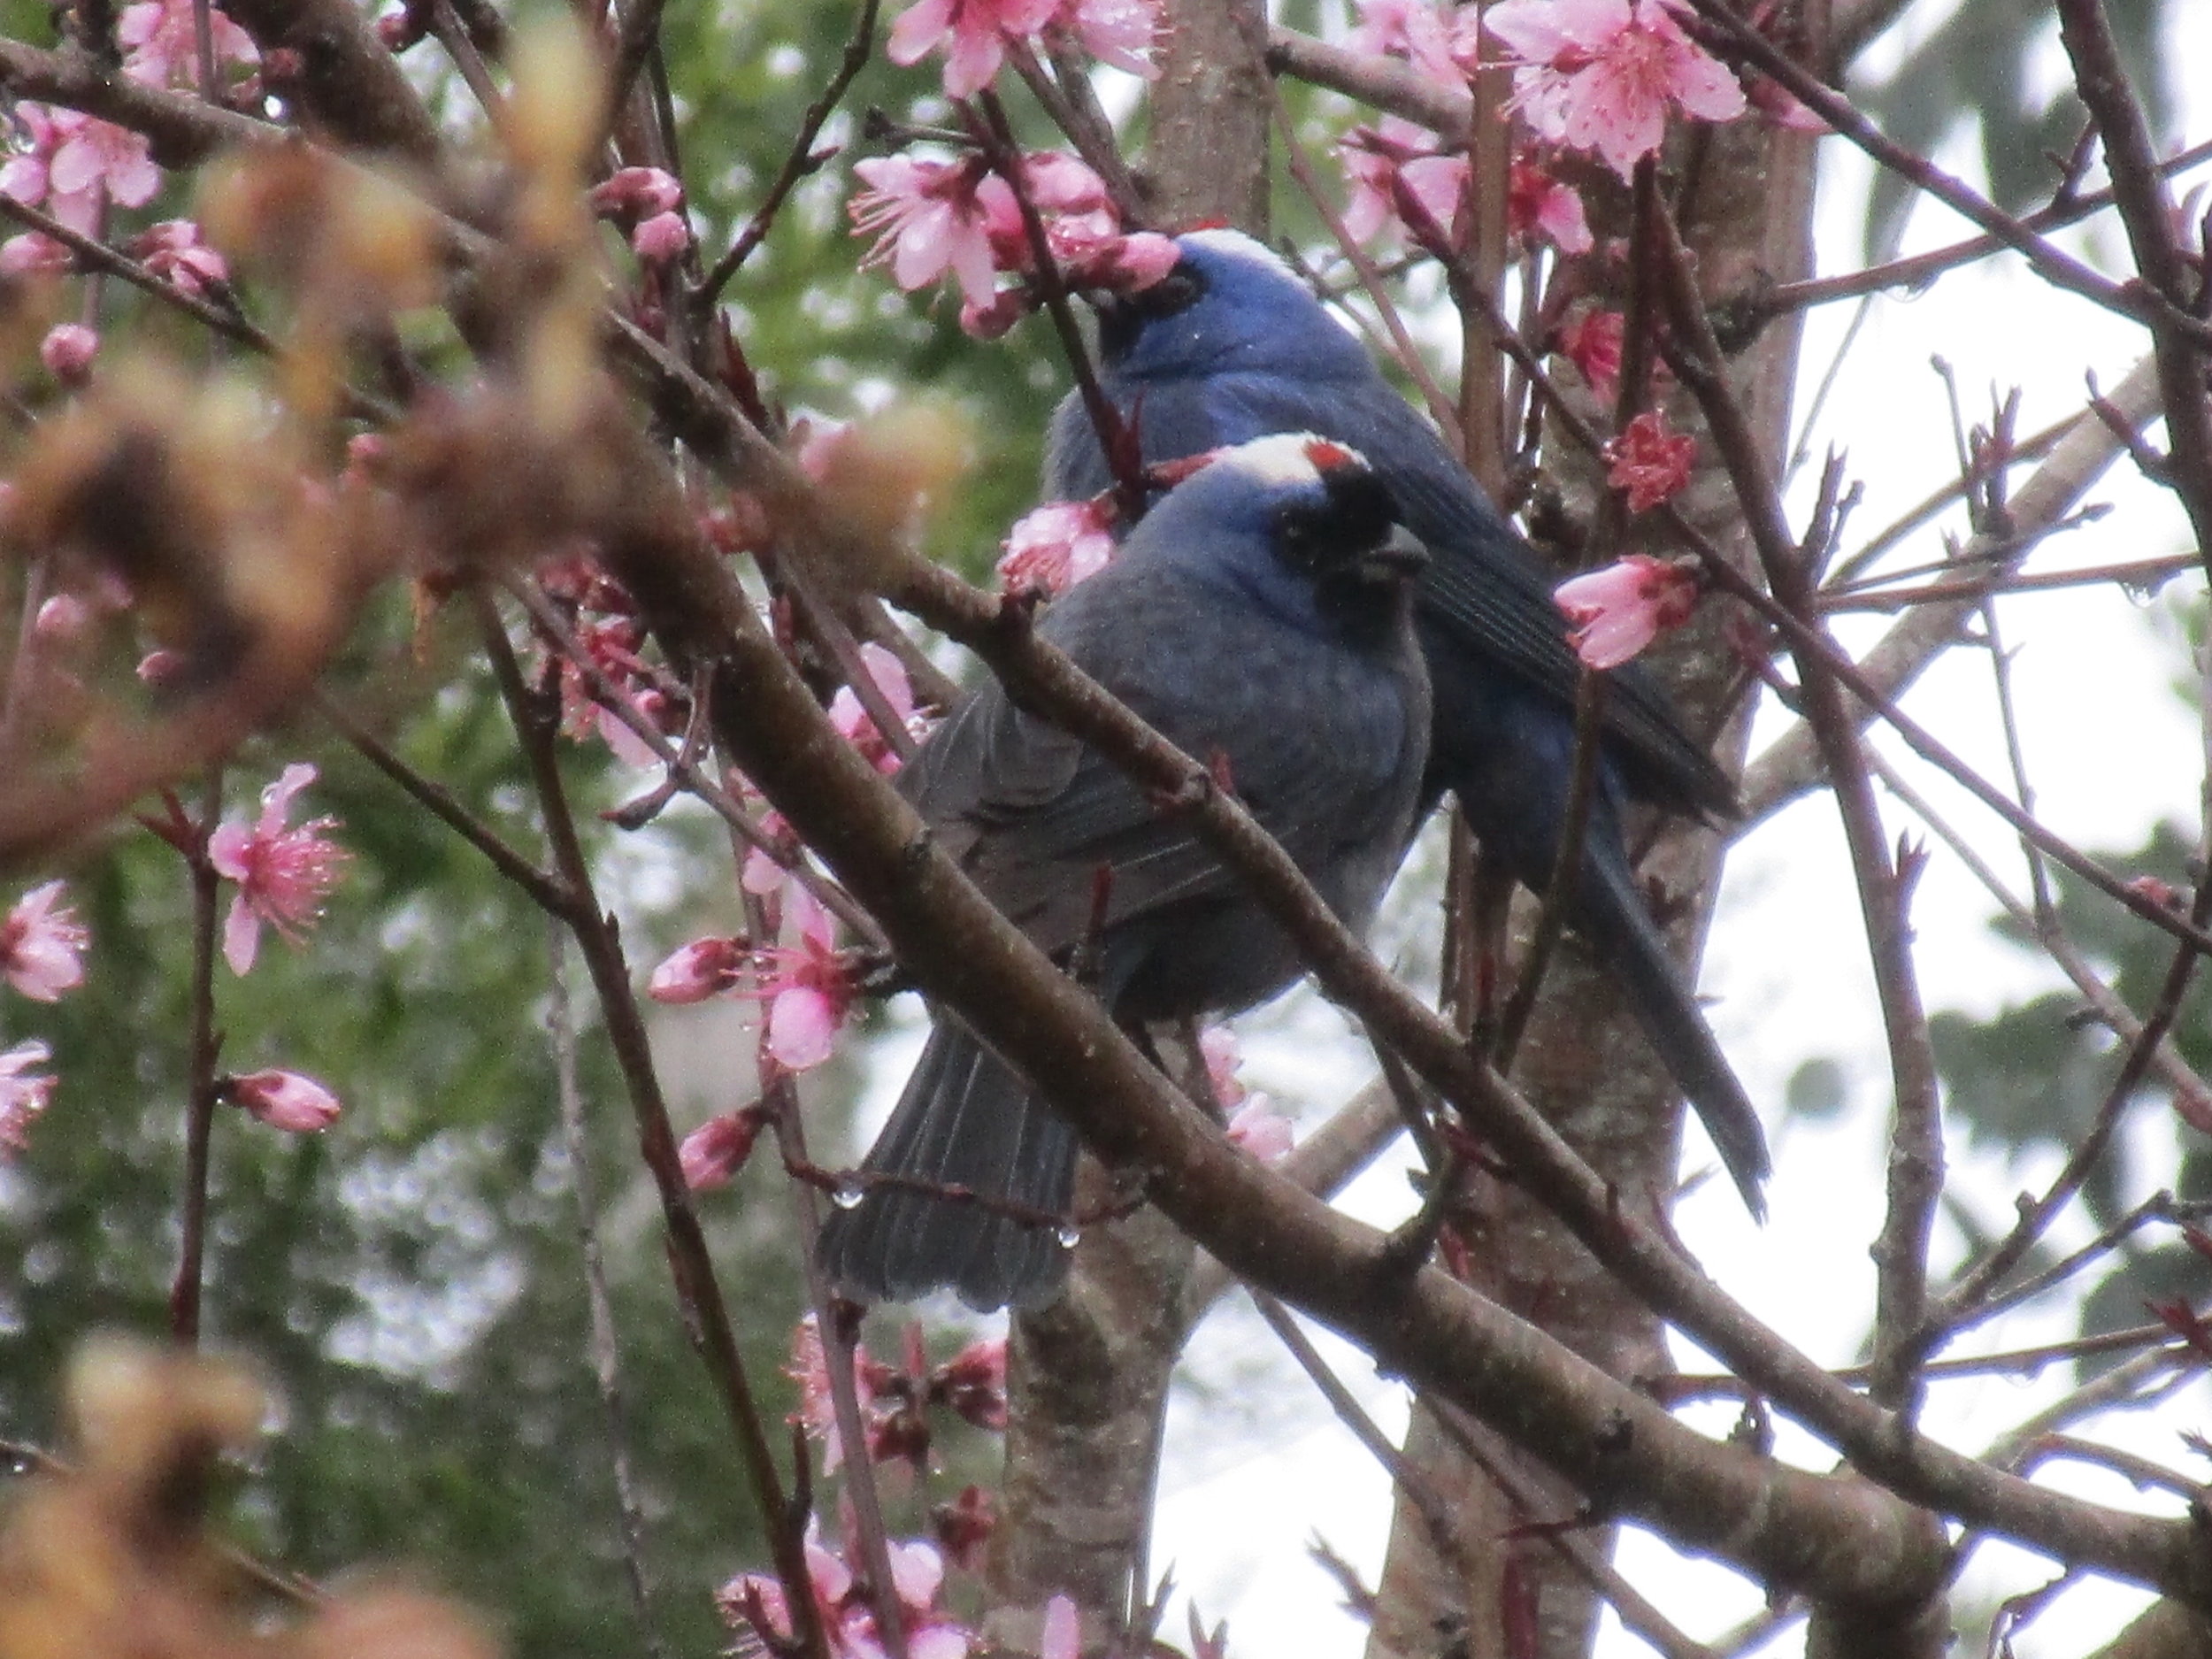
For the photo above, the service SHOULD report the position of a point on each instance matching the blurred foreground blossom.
(42, 944)
(283, 873)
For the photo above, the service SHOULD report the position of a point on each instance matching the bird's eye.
(1178, 291)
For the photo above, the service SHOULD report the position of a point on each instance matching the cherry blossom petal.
(801, 1028)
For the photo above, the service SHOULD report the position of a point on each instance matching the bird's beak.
(1401, 554)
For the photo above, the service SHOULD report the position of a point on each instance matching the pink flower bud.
(290, 1100)
(714, 1152)
(68, 352)
(661, 238)
(636, 193)
(701, 969)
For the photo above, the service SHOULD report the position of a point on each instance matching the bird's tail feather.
(1613, 918)
(967, 1120)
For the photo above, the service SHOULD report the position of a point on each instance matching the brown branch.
(2146, 211)
(1394, 87)
(348, 85)
(798, 162)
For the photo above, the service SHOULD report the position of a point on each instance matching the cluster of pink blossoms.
(74, 165)
(931, 217)
(974, 34)
(42, 956)
(894, 1401)
(1597, 75)
(808, 985)
(754, 1604)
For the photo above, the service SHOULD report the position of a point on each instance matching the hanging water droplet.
(847, 1194)
(1069, 1235)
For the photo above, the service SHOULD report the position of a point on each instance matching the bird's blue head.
(1291, 514)
(1229, 307)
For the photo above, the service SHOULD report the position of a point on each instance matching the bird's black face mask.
(1122, 316)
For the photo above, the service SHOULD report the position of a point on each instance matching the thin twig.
(205, 1044)
(800, 161)
(606, 1353)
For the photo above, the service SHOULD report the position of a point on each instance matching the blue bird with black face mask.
(1261, 614)
(1230, 345)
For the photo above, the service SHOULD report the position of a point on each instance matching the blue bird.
(1230, 345)
(1262, 613)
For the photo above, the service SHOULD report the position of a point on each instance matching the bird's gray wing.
(1034, 815)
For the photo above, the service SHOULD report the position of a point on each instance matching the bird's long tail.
(969, 1121)
(1612, 918)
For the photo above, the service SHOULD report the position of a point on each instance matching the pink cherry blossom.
(1539, 208)
(160, 44)
(1602, 74)
(288, 1101)
(705, 968)
(809, 990)
(1619, 610)
(852, 720)
(1649, 461)
(90, 159)
(1052, 547)
(764, 876)
(1396, 168)
(67, 351)
(712, 1154)
(973, 1383)
(756, 1602)
(931, 217)
(41, 945)
(1417, 30)
(174, 249)
(23, 1096)
(965, 1525)
(973, 34)
(283, 873)
(61, 619)
(1117, 32)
